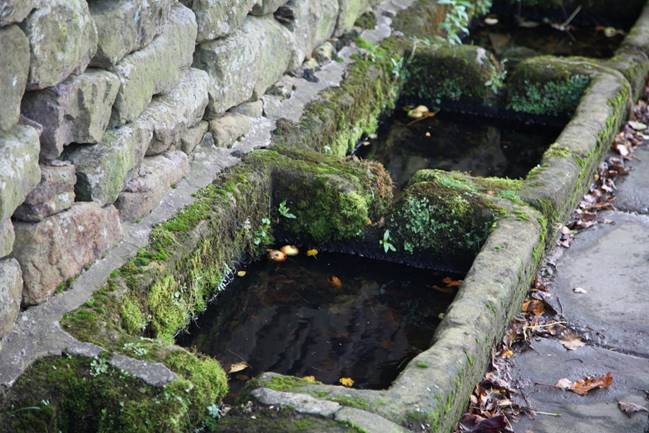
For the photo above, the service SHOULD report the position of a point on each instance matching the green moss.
(65, 394)
(133, 320)
(366, 21)
(285, 383)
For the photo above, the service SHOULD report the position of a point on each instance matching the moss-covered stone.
(442, 217)
(441, 74)
(546, 85)
(87, 395)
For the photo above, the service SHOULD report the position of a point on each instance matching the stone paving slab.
(536, 370)
(633, 191)
(611, 262)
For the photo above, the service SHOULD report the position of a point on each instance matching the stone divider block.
(54, 194)
(7, 237)
(19, 170)
(63, 39)
(57, 248)
(14, 70)
(193, 137)
(157, 68)
(246, 63)
(218, 18)
(14, 11)
(77, 110)
(170, 115)
(156, 177)
(125, 26)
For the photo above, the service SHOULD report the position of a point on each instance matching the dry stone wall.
(104, 103)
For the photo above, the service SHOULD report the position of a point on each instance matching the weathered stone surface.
(265, 7)
(350, 10)
(156, 176)
(313, 23)
(125, 26)
(301, 403)
(367, 421)
(54, 194)
(11, 287)
(171, 114)
(192, 137)
(325, 52)
(227, 129)
(14, 69)
(63, 39)
(244, 64)
(615, 306)
(157, 68)
(633, 192)
(250, 109)
(57, 248)
(77, 110)
(103, 168)
(19, 170)
(218, 18)
(7, 237)
(14, 11)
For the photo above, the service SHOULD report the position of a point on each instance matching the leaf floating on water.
(290, 250)
(452, 282)
(335, 281)
(310, 379)
(346, 381)
(585, 385)
(572, 341)
(491, 21)
(276, 256)
(241, 274)
(312, 252)
(238, 366)
(630, 408)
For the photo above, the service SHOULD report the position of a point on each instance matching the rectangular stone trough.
(493, 230)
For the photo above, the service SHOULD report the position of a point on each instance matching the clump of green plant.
(372, 52)
(263, 234)
(386, 242)
(98, 366)
(497, 77)
(285, 211)
(550, 98)
(458, 17)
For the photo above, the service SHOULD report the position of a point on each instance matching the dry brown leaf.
(585, 385)
(238, 366)
(335, 281)
(534, 306)
(630, 408)
(572, 341)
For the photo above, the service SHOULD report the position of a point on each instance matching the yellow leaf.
(346, 381)
(238, 366)
(312, 252)
(310, 379)
(241, 274)
(290, 250)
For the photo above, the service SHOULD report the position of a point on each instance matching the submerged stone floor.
(610, 262)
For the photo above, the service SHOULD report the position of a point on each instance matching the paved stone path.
(610, 262)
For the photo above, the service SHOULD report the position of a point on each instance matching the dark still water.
(330, 317)
(479, 146)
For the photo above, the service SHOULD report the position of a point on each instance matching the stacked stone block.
(104, 102)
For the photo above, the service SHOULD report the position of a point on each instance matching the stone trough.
(101, 354)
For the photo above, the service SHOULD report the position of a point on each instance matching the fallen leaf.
(276, 256)
(572, 341)
(638, 126)
(312, 252)
(346, 381)
(310, 379)
(630, 408)
(335, 281)
(534, 306)
(585, 385)
(491, 21)
(495, 424)
(580, 290)
(290, 250)
(241, 274)
(237, 367)
(452, 282)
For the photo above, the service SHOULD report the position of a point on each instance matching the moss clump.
(280, 382)
(366, 21)
(548, 86)
(74, 395)
(132, 318)
(332, 200)
(442, 220)
(441, 74)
